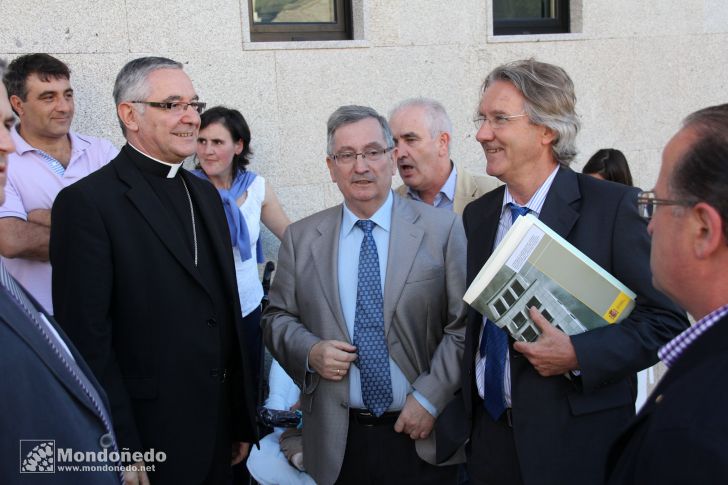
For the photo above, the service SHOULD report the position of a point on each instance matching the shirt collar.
(78, 144)
(537, 200)
(672, 350)
(447, 190)
(382, 217)
(173, 167)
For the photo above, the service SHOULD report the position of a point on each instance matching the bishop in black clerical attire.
(144, 284)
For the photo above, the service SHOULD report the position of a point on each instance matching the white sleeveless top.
(250, 289)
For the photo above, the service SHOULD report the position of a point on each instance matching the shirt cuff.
(425, 403)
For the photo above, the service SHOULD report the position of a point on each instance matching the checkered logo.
(37, 456)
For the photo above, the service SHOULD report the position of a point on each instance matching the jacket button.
(211, 323)
(658, 399)
(106, 441)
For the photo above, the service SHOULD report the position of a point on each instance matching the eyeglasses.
(175, 106)
(371, 155)
(496, 122)
(647, 202)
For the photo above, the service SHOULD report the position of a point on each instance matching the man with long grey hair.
(545, 412)
(144, 284)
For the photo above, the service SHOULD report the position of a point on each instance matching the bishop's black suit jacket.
(681, 433)
(563, 428)
(127, 292)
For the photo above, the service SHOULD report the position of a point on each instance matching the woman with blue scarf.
(223, 151)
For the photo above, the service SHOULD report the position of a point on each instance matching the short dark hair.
(238, 128)
(44, 66)
(701, 175)
(611, 164)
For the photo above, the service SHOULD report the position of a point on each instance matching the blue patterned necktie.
(494, 346)
(66, 359)
(369, 339)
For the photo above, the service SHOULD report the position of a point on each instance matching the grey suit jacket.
(468, 187)
(423, 318)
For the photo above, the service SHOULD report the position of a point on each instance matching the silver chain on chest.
(192, 216)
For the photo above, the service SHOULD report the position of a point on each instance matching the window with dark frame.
(524, 17)
(299, 20)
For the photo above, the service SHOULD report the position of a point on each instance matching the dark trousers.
(491, 451)
(254, 343)
(376, 454)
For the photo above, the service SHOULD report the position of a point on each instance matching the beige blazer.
(423, 318)
(468, 187)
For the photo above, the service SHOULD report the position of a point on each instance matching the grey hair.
(3, 65)
(549, 100)
(346, 115)
(701, 175)
(131, 82)
(437, 119)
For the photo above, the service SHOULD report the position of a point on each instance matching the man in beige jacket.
(422, 132)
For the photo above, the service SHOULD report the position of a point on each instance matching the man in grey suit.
(422, 132)
(376, 368)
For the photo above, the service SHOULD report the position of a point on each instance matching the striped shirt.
(534, 205)
(672, 350)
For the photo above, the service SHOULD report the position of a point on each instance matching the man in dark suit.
(545, 412)
(143, 282)
(679, 435)
(48, 393)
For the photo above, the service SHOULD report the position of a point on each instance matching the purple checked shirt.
(672, 350)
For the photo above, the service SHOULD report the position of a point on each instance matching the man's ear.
(443, 142)
(129, 116)
(548, 137)
(17, 104)
(708, 233)
(330, 164)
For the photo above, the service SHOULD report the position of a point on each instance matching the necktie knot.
(366, 225)
(517, 211)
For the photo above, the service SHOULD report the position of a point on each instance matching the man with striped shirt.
(546, 412)
(48, 157)
(679, 436)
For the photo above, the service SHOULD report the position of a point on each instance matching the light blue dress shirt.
(350, 238)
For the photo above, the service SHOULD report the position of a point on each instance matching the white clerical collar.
(173, 167)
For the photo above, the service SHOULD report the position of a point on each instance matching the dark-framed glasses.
(497, 121)
(175, 106)
(370, 155)
(647, 202)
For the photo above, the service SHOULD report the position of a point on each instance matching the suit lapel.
(404, 242)
(324, 253)
(559, 210)
(211, 216)
(20, 323)
(481, 234)
(152, 210)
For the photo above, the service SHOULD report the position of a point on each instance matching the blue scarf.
(236, 222)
